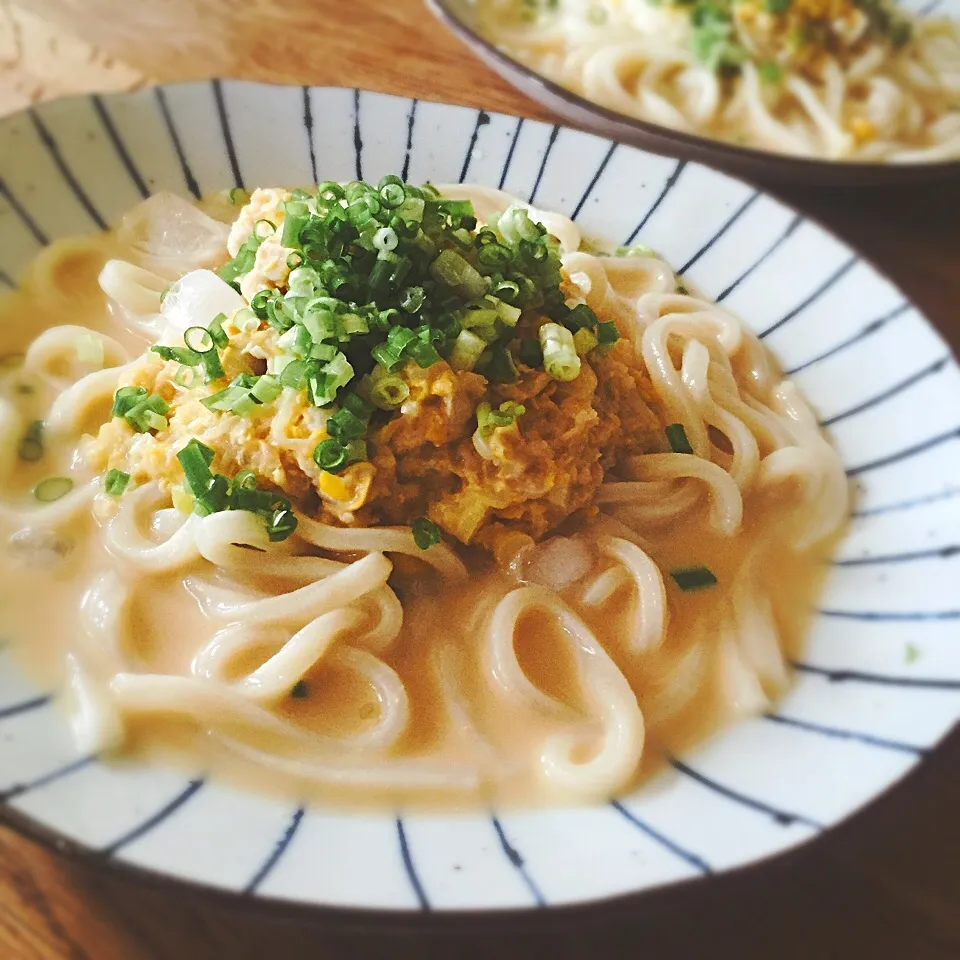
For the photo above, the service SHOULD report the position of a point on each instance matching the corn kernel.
(334, 487)
(862, 129)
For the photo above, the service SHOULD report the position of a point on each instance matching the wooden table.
(886, 885)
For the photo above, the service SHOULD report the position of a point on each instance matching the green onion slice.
(693, 578)
(329, 455)
(425, 533)
(115, 482)
(677, 437)
(52, 488)
(199, 340)
(31, 446)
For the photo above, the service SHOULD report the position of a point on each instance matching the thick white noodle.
(649, 612)
(124, 539)
(71, 409)
(70, 508)
(54, 358)
(726, 503)
(414, 775)
(610, 753)
(383, 540)
(339, 589)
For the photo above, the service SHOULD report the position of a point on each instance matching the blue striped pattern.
(409, 867)
(837, 734)
(668, 185)
(685, 855)
(24, 706)
(537, 157)
(518, 863)
(53, 148)
(936, 367)
(483, 118)
(44, 781)
(782, 817)
(278, 851)
(757, 264)
(154, 820)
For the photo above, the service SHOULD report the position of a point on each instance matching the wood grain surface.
(884, 885)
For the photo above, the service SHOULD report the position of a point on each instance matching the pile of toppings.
(348, 292)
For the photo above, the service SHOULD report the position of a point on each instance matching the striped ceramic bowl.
(879, 682)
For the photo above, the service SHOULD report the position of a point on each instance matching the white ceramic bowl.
(879, 683)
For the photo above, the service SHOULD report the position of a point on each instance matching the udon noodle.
(855, 80)
(322, 649)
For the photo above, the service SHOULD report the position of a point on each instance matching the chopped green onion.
(425, 533)
(300, 690)
(388, 391)
(560, 358)
(125, 399)
(489, 419)
(199, 340)
(677, 437)
(182, 500)
(356, 450)
(52, 488)
(245, 320)
(770, 72)
(452, 269)
(245, 480)
(607, 333)
(266, 389)
(30, 449)
(531, 353)
(900, 32)
(346, 426)
(294, 374)
(386, 239)
(263, 229)
(580, 317)
(501, 368)
(466, 350)
(238, 197)
(186, 377)
(213, 369)
(183, 355)
(296, 217)
(281, 523)
(330, 456)
(10, 361)
(778, 6)
(412, 299)
(693, 578)
(584, 341)
(148, 413)
(195, 458)
(115, 482)
(217, 333)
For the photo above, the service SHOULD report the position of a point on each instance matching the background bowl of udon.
(762, 165)
(879, 682)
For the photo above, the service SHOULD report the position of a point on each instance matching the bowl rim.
(728, 155)
(404, 919)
